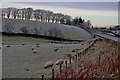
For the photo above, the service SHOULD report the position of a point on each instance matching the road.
(108, 36)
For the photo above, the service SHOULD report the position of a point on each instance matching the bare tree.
(36, 14)
(89, 23)
(48, 16)
(67, 18)
(8, 11)
(53, 17)
(19, 13)
(59, 16)
(3, 12)
(41, 15)
(14, 13)
(23, 13)
(29, 12)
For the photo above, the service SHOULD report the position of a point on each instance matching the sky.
(100, 14)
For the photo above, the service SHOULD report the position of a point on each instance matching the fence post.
(42, 77)
(60, 68)
(70, 60)
(66, 63)
(78, 54)
(52, 74)
(76, 57)
(73, 58)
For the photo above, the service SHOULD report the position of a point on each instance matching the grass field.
(23, 39)
(19, 61)
(18, 58)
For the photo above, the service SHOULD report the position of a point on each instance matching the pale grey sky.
(59, 0)
(100, 13)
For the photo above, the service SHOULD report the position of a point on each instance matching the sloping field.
(43, 28)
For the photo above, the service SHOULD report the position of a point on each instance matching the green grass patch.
(23, 39)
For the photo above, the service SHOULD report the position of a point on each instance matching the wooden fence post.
(73, 58)
(60, 68)
(70, 60)
(76, 57)
(52, 74)
(66, 63)
(42, 77)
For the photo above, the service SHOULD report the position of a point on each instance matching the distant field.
(23, 39)
(67, 31)
(17, 40)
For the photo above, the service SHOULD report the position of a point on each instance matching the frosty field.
(19, 61)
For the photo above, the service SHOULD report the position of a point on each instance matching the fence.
(71, 59)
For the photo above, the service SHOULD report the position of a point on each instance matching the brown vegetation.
(99, 61)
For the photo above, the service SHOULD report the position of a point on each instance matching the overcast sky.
(99, 13)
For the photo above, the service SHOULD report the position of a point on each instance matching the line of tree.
(40, 15)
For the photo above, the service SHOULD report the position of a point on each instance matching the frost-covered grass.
(23, 39)
(67, 31)
(18, 58)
